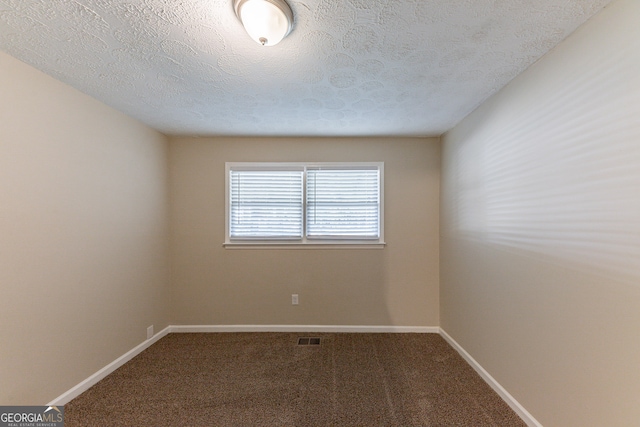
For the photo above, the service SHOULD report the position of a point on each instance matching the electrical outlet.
(150, 332)
(294, 299)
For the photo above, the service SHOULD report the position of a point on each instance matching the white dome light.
(266, 21)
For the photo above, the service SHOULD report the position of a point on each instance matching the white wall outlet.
(150, 332)
(294, 299)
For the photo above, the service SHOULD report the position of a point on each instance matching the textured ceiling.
(349, 67)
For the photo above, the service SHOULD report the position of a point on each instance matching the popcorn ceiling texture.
(349, 67)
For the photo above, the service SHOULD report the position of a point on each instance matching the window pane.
(343, 203)
(265, 204)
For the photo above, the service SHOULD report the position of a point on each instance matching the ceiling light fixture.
(266, 21)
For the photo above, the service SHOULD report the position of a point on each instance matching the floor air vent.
(308, 341)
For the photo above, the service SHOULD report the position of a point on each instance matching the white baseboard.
(305, 328)
(504, 394)
(85, 385)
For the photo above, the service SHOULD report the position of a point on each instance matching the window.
(298, 204)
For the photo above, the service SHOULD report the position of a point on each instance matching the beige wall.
(83, 235)
(395, 286)
(541, 229)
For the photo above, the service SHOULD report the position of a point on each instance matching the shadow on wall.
(567, 190)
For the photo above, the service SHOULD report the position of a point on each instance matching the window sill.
(296, 246)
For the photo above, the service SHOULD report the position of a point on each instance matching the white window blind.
(343, 203)
(304, 204)
(266, 204)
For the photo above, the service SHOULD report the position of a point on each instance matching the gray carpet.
(267, 379)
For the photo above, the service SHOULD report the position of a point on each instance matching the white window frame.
(304, 242)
